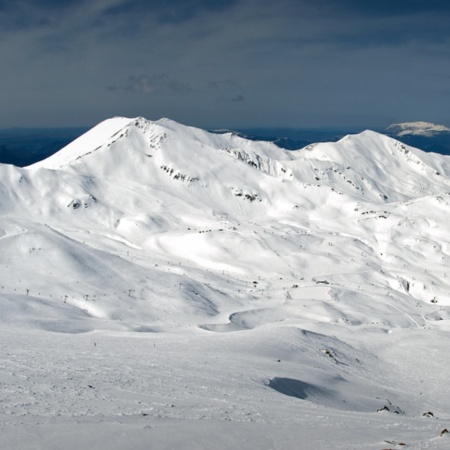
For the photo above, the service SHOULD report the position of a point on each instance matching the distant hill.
(424, 135)
(416, 129)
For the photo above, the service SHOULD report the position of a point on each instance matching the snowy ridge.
(198, 279)
(88, 142)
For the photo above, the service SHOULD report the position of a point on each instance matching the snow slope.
(163, 285)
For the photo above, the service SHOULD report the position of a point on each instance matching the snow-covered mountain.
(426, 129)
(267, 282)
(424, 135)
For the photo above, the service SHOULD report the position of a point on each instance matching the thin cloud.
(305, 59)
(223, 84)
(174, 11)
(153, 84)
(385, 8)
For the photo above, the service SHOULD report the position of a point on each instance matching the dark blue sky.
(225, 63)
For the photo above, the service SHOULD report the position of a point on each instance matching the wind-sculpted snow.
(153, 273)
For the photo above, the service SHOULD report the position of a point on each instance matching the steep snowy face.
(416, 128)
(102, 134)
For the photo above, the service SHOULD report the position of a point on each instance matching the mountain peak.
(86, 143)
(416, 128)
(362, 166)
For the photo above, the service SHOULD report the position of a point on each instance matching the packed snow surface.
(164, 287)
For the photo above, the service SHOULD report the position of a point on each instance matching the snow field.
(164, 286)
